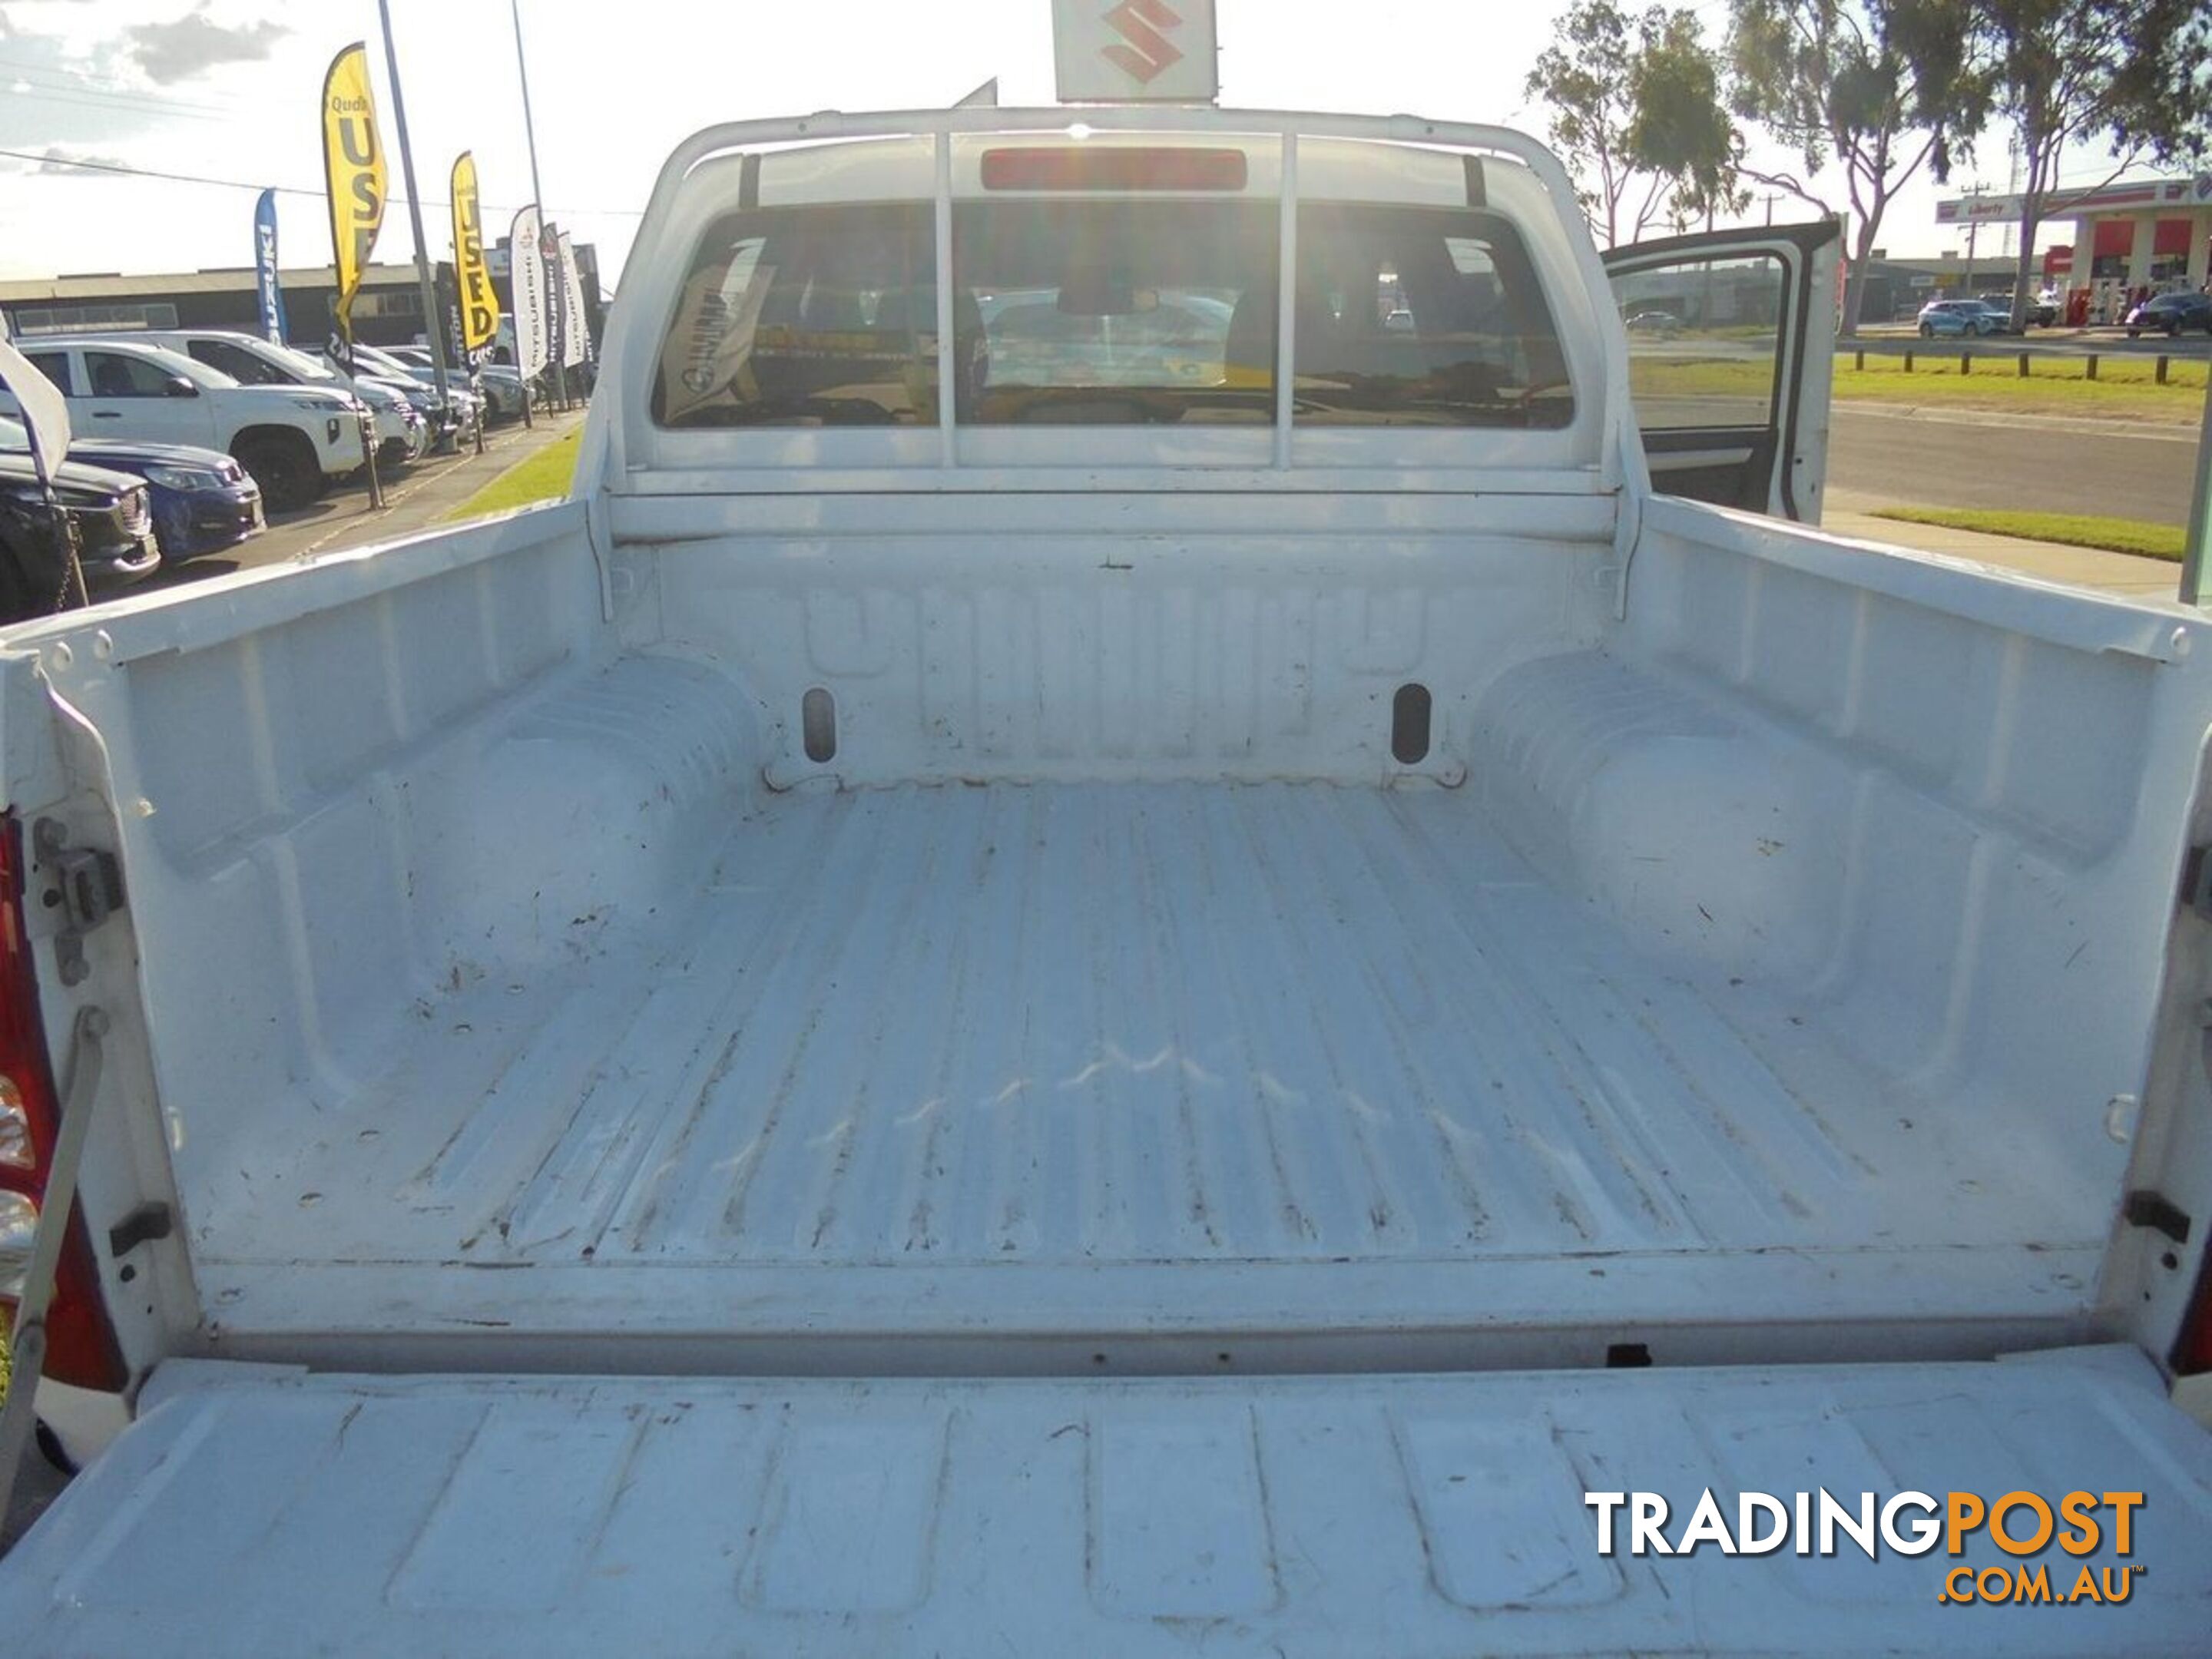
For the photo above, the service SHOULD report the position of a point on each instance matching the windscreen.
(379, 362)
(235, 361)
(313, 367)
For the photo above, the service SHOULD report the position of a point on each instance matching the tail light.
(81, 1346)
(15, 1150)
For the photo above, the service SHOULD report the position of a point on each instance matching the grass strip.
(2125, 388)
(2148, 541)
(544, 477)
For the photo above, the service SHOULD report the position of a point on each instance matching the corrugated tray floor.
(1135, 1024)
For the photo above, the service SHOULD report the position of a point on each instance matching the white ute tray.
(263, 1511)
(1142, 1060)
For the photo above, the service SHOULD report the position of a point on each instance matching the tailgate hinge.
(88, 889)
(144, 1225)
(2155, 1211)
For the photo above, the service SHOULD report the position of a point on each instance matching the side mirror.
(180, 386)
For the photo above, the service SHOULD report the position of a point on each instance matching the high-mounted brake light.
(1089, 167)
(81, 1346)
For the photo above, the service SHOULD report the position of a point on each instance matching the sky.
(227, 90)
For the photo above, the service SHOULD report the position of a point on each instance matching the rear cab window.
(1417, 316)
(1102, 311)
(1130, 286)
(807, 316)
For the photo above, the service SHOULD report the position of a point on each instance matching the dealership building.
(387, 311)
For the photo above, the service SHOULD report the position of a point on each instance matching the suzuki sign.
(1122, 51)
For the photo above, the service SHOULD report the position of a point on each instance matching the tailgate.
(267, 1511)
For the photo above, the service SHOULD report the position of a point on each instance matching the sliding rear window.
(1416, 316)
(1106, 310)
(809, 316)
(1111, 308)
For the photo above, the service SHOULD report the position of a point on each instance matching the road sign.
(1985, 209)
(2130, 196)
(1118, 51)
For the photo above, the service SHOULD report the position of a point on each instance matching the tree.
(2130, 74)
(1681, 128)
(1880, 87)
(1636, 114)
(1583, 76)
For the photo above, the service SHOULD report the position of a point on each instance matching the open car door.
(1730, 348)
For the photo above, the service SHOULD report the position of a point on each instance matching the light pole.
(529, 126)
(2197, 546)
(553, 294)
(433, 330)
(1973, 233)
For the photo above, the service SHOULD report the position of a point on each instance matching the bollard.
(1908, 362)
(1966, 363)
(2092, 366)
(2023, 365)
(2163, 359)
(1860, 359)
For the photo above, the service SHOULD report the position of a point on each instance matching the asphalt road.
(2146, 472)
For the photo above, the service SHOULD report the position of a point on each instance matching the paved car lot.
(418, 497)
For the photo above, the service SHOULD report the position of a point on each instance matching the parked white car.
(402, 434)
(453, 419)
(295, 441)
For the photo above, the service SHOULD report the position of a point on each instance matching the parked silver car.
(501, 386)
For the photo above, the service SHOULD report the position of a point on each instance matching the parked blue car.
(204, 501)
(1969, 318)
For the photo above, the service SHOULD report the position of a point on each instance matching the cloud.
(12, 30)
(195, 43)
(77, 163)
(62, 161)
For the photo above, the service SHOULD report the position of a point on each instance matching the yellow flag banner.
(353, 166)
(479, 303)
